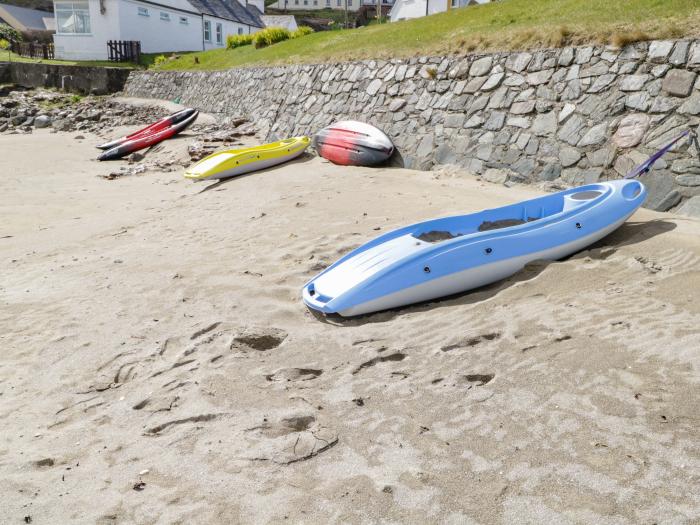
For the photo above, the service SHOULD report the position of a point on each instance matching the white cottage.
(405, 9)
(83, 27)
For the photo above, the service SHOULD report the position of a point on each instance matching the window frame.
(219, 34)
(207, 31)
(184, 20)
(69, 6)
(142, 11)
(165, 16)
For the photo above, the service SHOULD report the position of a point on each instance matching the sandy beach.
(159, 366)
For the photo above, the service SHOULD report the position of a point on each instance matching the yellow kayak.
(232, 162)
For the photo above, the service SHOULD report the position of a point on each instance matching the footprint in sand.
(471, 341)
(289, 438)
(294, 374)
(396, 356)
(262, 340)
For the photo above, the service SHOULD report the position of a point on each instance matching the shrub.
(160, 59)
(234, 41)
(9, 33)
(4, 44)
(270, 36)
(302, 31)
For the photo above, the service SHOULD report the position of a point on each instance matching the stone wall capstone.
(558, 116)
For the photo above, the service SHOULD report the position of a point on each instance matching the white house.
(404, 9)
(285, 21)
(83, 27)
(312, 5)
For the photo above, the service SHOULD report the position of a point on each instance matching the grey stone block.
(518, 62)
(688, 180)
(481, 66)
(545, 124)
(495, 121)
(679, 82)
(690, 208)
(659, 50)
(540, 77)
(680, 53)
(569, 156)
(633, 82)
(551, 171)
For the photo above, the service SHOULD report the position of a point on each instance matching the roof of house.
(229, 10)
(29, 19)
(286, 21)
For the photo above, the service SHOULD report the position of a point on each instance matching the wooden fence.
(32, 50)
(124, 51)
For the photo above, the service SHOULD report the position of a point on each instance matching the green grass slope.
(504, 25)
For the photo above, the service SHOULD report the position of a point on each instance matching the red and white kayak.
(352, 143)
(146, 141)
(160, 125)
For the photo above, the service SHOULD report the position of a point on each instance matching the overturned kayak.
(160, 125)
(454, 254)
(146, 141)
(352, 143)
(232, 162)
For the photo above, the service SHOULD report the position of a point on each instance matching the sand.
(158, 365)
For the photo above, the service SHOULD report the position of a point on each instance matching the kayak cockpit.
(512, 216)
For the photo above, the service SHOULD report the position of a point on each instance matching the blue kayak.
(445, 256)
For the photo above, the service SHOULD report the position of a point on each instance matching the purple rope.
(647, 164)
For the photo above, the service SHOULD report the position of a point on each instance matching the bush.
(8, 33)
(160, 59)
(234, 41)
(270, 36)
(4, 44)
(302, 31)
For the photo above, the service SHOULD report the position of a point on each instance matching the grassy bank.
(505, 25)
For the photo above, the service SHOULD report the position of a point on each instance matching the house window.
(219, 34)
(207, 31)
(72, 17)
(306, 2)
(315, 2)
(143, 11)
(240, 30)
(165, 16)
(340, 3)
(296, 2)
(184, 20)
(349, 2)
(328, 3)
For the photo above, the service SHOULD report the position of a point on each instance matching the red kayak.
(160, 125)
(352, 143)
(146, 141)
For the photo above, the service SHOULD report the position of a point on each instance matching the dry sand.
(158, 365)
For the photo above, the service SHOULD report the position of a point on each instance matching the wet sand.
(158, 365)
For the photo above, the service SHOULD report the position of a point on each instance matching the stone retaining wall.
(80, 79)
(561, 116)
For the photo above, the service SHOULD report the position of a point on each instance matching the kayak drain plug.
(578, 225)
(488, 250)
(426, 269)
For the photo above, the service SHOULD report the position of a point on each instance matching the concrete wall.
(5, 76)
(95, 80)
(560, 117)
